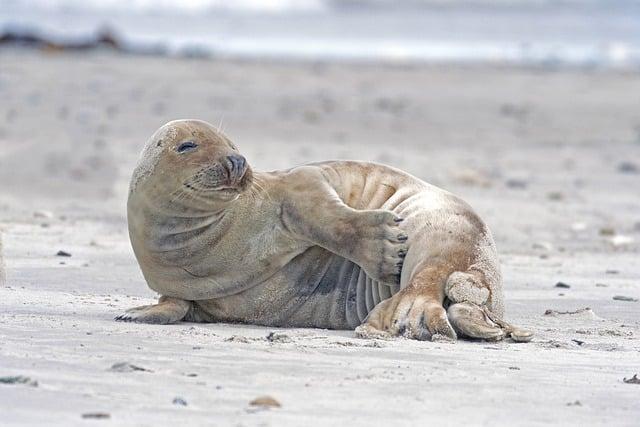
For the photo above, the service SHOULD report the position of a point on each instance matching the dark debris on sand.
(18, 379)
(96, 415)
(633, 380)
(127, 367)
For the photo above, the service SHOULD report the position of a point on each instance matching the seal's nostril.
(236, 165)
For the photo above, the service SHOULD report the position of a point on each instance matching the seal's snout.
(237, 166)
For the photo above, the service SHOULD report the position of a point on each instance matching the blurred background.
(571, 32)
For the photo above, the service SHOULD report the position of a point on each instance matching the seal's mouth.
(231, 185)
(225, 180)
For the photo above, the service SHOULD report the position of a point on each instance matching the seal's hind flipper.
(473, 321)
(168, 310)
(469, 320)
(517, 334)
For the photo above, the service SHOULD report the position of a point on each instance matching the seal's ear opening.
(186, 147)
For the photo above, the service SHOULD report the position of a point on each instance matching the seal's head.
(190, 159)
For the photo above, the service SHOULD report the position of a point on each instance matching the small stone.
(612, 271)
(514, 368)
(63, 253)
(179, 401)
(625, 298)
(633, 380)
(562, 285)
(265, 402)
(97, 415)
(555, 196)
(602, 285)
(607, 231)
(516, 183)
(576, 403)
(579, 342)
(628, 167)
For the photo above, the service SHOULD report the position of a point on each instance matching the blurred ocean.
(592, 33)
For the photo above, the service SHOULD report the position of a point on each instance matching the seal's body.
(334, 245)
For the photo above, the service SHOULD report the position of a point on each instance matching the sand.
(549, 158)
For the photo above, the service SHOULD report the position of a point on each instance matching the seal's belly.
(316, 289)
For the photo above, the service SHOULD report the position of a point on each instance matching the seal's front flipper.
(168, 310)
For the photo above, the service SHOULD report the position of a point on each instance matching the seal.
(336, 244)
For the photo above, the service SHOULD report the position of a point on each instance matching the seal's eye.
(186, 146)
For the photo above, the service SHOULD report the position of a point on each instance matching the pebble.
(555, 196)
(628, 167)
(179, 401)
(515, 183)
(633, 380)
(562, 285)
(63, 253)
(607, 231)
(265, 402)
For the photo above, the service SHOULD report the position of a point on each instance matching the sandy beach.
(550, 158)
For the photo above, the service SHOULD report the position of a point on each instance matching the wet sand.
(549, 158)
